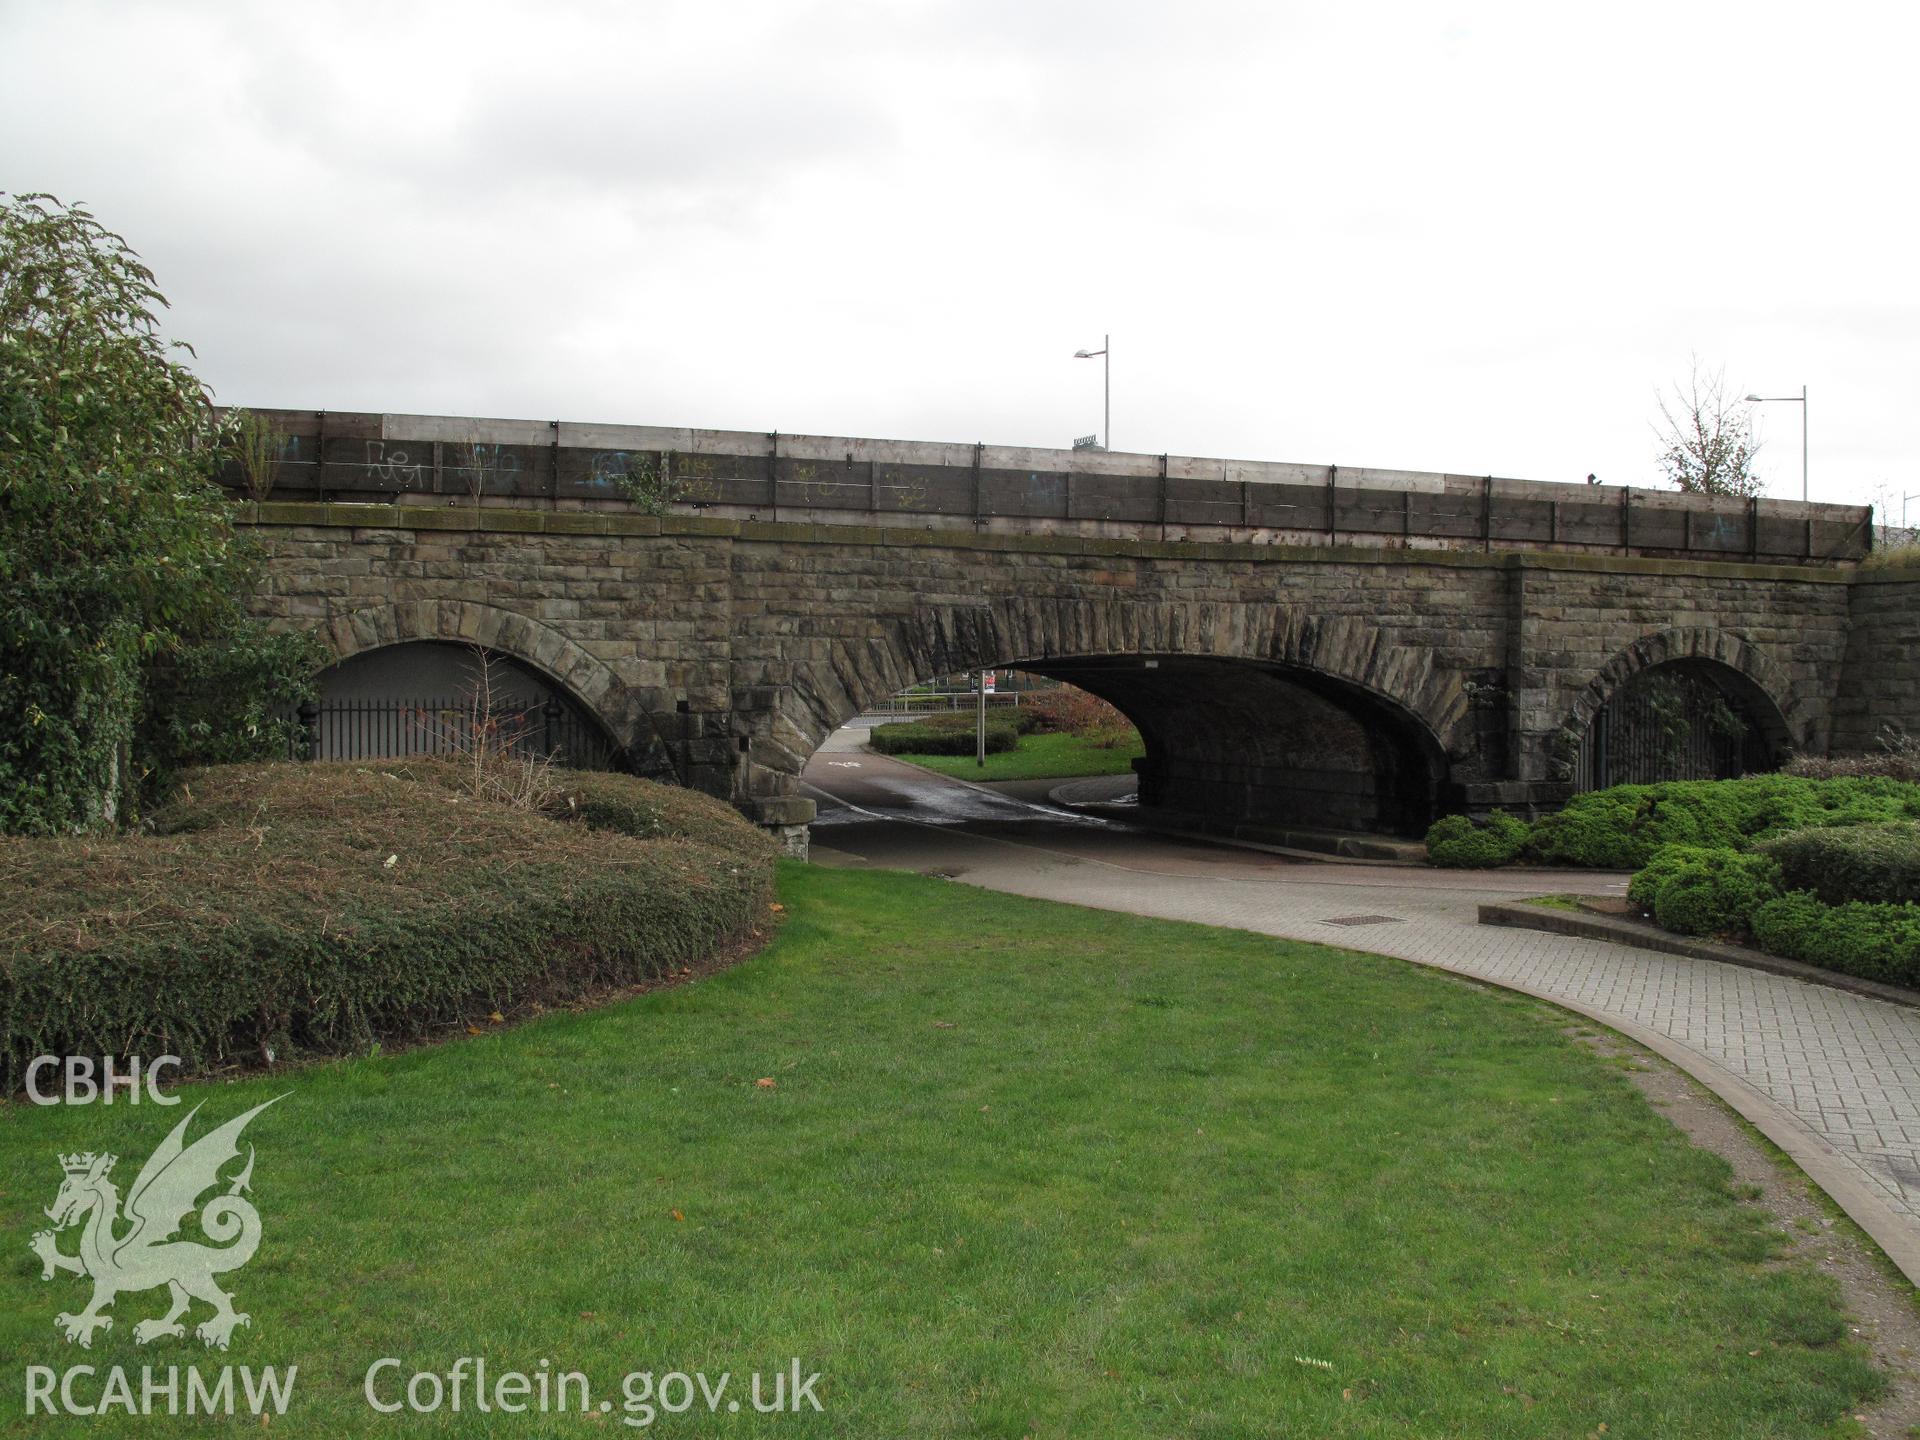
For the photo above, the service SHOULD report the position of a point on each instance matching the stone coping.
(1889, 574)
(514, 521)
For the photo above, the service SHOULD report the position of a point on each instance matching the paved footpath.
(1832, 1078)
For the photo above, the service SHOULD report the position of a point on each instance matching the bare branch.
(1706, 441)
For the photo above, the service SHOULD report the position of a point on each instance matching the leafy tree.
(1706, 438)
(119, 565)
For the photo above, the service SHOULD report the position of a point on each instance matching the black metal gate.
(382, 729)
(1669, 724)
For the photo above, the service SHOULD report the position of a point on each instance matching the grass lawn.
(1023, 1169)
(1038, 757)
(1554, 902)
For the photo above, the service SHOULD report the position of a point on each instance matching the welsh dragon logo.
(138, 1250)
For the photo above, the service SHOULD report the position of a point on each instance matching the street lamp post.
(980, 719)
(1106, 386)
(1801, 401)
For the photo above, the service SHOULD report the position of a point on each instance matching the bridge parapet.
(745, 475)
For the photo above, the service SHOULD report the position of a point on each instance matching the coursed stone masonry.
(721, 652)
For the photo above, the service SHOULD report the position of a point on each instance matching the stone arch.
(854, 673)
(1693, 642)
(590, 682)
(1782, 717)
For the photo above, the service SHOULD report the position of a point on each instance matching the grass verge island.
(997, 1167)
(1821, 870)
(1021, 744)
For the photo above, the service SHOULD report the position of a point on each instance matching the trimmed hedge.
(1458, 843)
(291, 908)
(1620, 828)
(1875, 942)
(1693, 890)
(1024, 719)
(917, 738)
(1878, 863)
(601, 800)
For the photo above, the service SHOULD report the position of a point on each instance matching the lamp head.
(1749, 397)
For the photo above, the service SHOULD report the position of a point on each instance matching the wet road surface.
(879, 811)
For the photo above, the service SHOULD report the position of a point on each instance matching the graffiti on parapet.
(394, 467)
(609, 468)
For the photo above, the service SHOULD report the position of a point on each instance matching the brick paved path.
(1844, 1067)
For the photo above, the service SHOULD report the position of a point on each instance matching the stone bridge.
(1301, 647)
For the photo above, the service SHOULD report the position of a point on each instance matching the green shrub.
(1852, 862)
(1597, 829)
(1875, 942)
(124, 647)
(67, 713)
(1458, 842)
(1621, 827)
(1695, 890)
(227, 698)
(316, 908)
(1645, 885)
(916, 738)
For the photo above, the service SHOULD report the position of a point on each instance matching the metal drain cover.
(1363, 920)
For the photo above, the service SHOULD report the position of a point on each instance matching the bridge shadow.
(1259, 749)
(1244, 746)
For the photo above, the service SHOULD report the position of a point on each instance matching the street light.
(1106, 365)
(1801, 401)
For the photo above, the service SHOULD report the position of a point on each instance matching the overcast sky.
(1476, 238)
